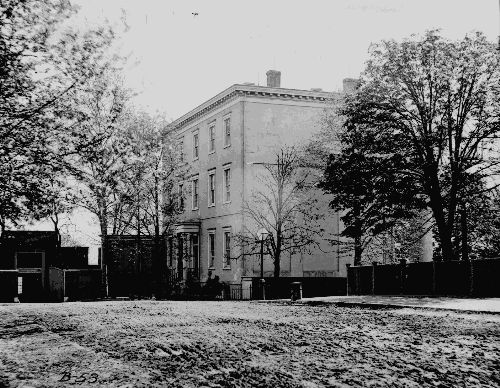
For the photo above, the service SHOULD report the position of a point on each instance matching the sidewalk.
(484, 305)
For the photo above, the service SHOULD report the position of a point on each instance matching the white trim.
(261, 100)
(211, 233)
(255, 89)
(224, 183)
(211, 173)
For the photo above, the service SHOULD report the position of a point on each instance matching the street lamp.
(262, 236)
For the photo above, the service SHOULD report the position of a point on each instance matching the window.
(226, 261)
(211, 249)
(227, 184)
(196, 145)
(180, 150)
(19, 285)
(211, 137)
(227, 132)
(181, 196)
(195, 193)
(211, 188)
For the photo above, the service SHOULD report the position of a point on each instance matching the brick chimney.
(350, 85)
(273, 78)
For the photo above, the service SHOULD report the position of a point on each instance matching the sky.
(182, 53)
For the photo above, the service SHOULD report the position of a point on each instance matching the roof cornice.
(237, 90)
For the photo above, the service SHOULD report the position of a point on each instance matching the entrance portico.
(187, 250)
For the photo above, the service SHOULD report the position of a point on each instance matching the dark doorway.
(196, 254)
(180, 254)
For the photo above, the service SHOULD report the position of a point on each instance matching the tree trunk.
(277, 264)
(437, 206)
(156, 266)
(465, 244)
(277, 267)
(103, 221)
(358, 233)
(104, 267)
(357, 250)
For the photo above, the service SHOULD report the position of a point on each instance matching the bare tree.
(150, 182)
(286, 203)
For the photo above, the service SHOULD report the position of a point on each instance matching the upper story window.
(211, 188)
(227, 184)
(180, 150)
(196, 145)
(227, 132)
(195, 193)
(211, 138)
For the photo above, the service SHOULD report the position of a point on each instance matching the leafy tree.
(366, 182)
(476, 229)
(441, 99)
(40, 62)
(101, 170)
(286, 204)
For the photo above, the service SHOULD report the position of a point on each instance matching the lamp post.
(262, 235)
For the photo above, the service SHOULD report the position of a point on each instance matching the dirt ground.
(244, 344)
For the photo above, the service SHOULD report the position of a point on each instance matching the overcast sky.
(180, 60)
(185, 59)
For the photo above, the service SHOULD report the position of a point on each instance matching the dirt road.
(243, 344)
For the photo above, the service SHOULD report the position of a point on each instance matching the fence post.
(262, 284)
(402, 263)
(373, 276)
(348, 265)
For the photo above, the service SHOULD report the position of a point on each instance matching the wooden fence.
(477, 278)
(71, 285)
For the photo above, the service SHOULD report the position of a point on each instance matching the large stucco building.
(223, 143)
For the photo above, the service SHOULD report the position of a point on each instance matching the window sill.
(195, 159)
(227, 268)
(227, 146)
(212, 205)
(195, 208)
(211, 268)
(211, 152)
(226, 202)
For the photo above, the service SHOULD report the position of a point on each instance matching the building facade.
(223, 144)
